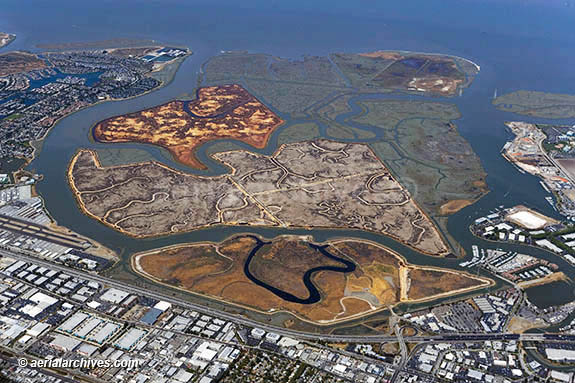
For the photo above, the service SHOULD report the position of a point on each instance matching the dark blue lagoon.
(314, 294)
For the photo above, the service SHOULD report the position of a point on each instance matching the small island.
(311, 184)
(537, 104)
(322, 283)
(6, 38)
(409, 71)
(226, 111)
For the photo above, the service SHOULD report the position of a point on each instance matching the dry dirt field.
(568, 164)
(311, 184)
(226, 111)
(381, 277)
(528, 218)
(454, 206)
(425, 283)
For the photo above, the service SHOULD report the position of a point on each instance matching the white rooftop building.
(204, 352)
(257, 333)
(114, 296)
(64, 342)
(561, 376)
(40, 302)
(38, 329)
(548, 245)
(560, 355)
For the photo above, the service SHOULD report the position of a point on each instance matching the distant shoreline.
(101, 44)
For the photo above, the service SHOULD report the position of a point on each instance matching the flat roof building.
(87, 327)
(40, 302)
(38, 329)
(560, 355)
(64, 343)
(74, 321)
(86, 349)
(151, 316)
(104, 333)
(114, 296)
(257, 333)
(130, 338)
(203, 352)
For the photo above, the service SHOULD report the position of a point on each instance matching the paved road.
(279, 330)
(403, 353)
(42, 232)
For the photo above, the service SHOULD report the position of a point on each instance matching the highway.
(403, 353)
(469, 337)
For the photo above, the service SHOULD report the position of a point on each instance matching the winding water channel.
(314, 294)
